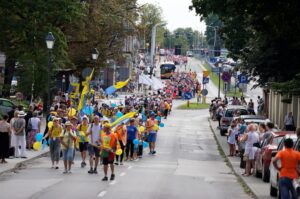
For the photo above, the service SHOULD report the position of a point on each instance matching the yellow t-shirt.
(55, 132)
(83, 130)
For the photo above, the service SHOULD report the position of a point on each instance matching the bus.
(166, 70)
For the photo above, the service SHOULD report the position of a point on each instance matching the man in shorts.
(151, 133)
(108, 146)
(83, 138)
(94, 144)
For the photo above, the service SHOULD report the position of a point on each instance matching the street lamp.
(153, 38)
(95, 54)
(50, 43)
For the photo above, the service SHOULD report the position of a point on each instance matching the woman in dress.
(251, 137)
(232, 132)
(4, 138)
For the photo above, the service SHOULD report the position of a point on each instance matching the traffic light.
(165, 34)
(177, 49)
(177, 34)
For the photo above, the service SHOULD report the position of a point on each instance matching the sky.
(177, 14)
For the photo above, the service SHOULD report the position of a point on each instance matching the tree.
(105, 26)
(24, 26)
(149, 15)
(263, 34)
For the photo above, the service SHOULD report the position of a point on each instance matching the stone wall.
(277, 109)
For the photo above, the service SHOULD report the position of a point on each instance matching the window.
(7, 104)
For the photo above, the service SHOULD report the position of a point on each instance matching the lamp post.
(50, 43)
(95, 55)
(153, 38)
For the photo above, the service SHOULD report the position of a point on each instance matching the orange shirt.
(108, 141)
(289, 163)
(167, 106)
(121, 132)
(150, 124)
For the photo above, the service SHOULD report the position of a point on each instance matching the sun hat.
(21, 114)
(68, 123)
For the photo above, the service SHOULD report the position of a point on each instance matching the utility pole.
(153, 41)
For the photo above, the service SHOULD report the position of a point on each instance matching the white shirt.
(95, 136)
(35, 123)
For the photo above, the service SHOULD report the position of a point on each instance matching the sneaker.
(82, 165)
(121, 163)
(112, 177)
(153, 152)
(95, 171)
(91, 171)
(116, 163)
(69, 171)
(65, 172)
(105, 178)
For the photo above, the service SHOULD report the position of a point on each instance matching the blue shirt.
(131, 132)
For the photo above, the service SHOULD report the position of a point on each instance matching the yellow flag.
(120, 85)
(124, 117)
(85, 85)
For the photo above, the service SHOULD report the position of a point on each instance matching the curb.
(19, 164)
(244, 184)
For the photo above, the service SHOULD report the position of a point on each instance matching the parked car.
(274, 174)
(263, 155)
(231, 112)
(5, 106)
(257, 119)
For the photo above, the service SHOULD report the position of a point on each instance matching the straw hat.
(68, 123)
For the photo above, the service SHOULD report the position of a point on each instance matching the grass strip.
(193, 106)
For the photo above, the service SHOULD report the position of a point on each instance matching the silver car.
(6, 106)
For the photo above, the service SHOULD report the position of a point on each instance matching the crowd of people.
(245, 140)
(105, 137)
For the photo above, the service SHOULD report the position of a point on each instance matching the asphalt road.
(187, 165)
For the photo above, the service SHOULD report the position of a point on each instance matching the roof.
(235, 107)
(283, 133)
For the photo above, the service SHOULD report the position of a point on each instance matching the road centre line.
(101, 194)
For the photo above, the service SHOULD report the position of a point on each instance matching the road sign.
(205, 73)
(216, 70)
(243, 79)
(205, 80)
(204, 92)
(226, 76)
(188, 95)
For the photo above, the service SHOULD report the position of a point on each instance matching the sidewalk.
(15, 163)
(259, 188)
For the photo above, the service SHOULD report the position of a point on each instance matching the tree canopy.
(78, 26)
(263, 34)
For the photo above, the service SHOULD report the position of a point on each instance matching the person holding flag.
(83, 138)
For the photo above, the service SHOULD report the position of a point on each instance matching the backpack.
(29, 125)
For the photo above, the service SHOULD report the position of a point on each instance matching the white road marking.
(130, 167)
(122, 174)
(101, 194)
(113, 182)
